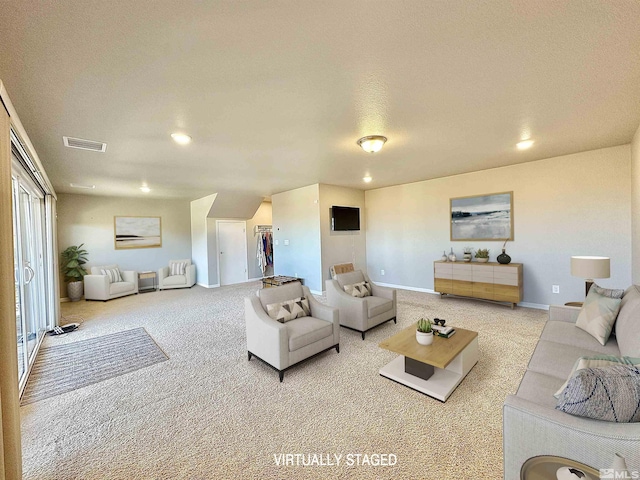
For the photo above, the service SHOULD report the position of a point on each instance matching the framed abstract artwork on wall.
(137, 232)
(482, 217)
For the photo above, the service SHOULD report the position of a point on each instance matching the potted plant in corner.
(424, 333)
(73, 259)
(482, 255)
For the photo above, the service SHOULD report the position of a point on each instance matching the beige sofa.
(531, 424)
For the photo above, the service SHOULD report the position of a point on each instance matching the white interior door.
(232, 252)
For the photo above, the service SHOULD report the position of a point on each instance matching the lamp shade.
(590, 267)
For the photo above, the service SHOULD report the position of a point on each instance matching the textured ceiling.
(275, 94)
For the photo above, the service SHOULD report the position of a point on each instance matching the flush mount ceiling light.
(181, 138)
(366, 179)
(145, 189)
(524, 144)
(372, 143)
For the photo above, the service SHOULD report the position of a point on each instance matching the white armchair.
(361, 314)
(282, 345)
(98, 286)
(174, 276)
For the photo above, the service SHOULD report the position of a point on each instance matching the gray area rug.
(63, 368)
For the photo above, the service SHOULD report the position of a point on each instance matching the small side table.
(546, 466)
(573, 304)
(145, 275)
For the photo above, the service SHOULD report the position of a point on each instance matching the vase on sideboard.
(504, 258)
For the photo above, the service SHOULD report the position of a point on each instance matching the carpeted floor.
(207, 413)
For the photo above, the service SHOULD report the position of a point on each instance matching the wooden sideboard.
(488, 281)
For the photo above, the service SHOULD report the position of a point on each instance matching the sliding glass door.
(29, 263)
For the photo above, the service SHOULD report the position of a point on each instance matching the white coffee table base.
(443, 381)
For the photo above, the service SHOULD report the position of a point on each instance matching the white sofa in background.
(185, 280)
(98, 286)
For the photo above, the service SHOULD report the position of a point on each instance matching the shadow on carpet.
(63, 368)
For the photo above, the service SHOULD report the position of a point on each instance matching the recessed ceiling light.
(181, 138)
(524, 144)
(366, 179)
(78, 185)
(145, 189)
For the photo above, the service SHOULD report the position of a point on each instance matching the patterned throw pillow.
(594, 362)
(610, 393)
(360, 289)
(113, 274)
(178, 268)
(289, 310)
(607, 292)
(598, 315)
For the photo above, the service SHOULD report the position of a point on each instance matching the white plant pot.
(482, 260)
(424, 338)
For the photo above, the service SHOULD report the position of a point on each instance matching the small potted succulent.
(424, 333)
(482, 255)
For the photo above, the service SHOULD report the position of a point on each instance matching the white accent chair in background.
(282, 345)
(179, 274)
(361, 314)
(98, 286)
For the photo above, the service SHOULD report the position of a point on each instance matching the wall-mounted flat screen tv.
(345, 218)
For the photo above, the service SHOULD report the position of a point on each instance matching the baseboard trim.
(538, 306)
(208, 286)
(404, 287)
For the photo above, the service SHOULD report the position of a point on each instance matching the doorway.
(232, 251)
(29, 240)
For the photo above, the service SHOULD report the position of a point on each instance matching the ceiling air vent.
(84, 144)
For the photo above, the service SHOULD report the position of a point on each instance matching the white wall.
(571, 205)
(635, 206)
(296, 218)
(199, 209)
(89, 219)
(341, 247)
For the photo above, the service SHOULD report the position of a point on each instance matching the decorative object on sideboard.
(444, 256)
(73, 259)
(452, 256)
(482, 217)
(590, 267)
(424, 333)
(482, 255)
(468, 253)
(503, 258)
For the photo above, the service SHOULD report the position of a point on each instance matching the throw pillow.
(598, 315)
(607, 292)
(610, 393)
(290, 310)
(360, 289)
(597, 361)
(178, 268)
(113, 274)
